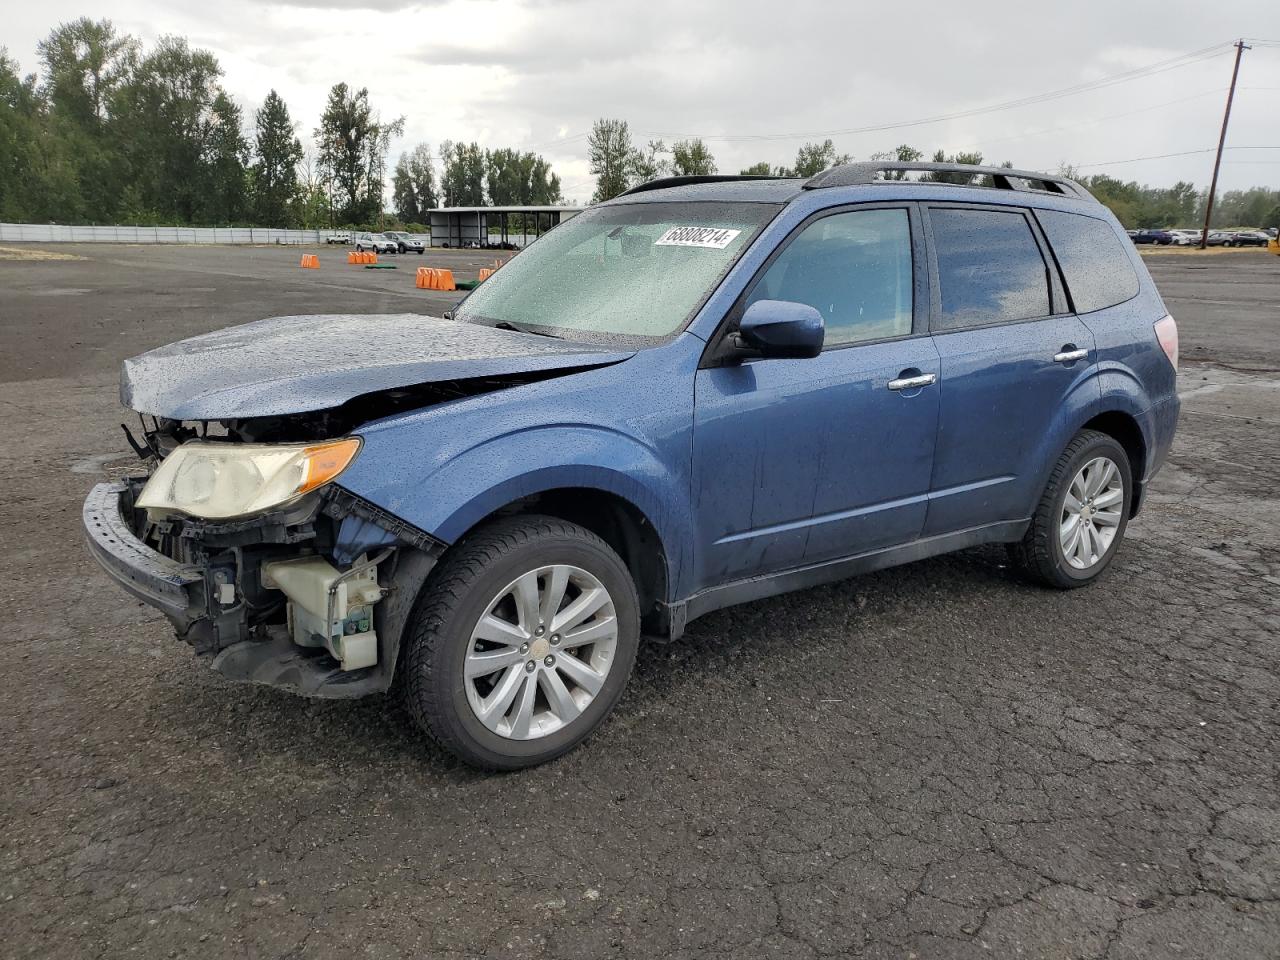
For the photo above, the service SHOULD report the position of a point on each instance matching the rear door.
(1013, 358)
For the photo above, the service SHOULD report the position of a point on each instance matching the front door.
(801, 461)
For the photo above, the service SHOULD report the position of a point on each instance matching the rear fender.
(1120, 393)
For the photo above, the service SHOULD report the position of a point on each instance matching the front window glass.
(627, 271)
(853, 268)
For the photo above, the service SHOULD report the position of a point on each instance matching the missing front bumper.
(220, 605)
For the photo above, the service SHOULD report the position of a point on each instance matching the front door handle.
(912, 383)
(1070, 356)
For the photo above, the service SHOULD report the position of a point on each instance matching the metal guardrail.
(69, 233)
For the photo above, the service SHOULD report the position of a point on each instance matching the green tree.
(813, 158)
(648, 163)
(167, 122)
(544, 185)
(691, 158)
(941, 156)
(512, 177)
(352, 144)
(462, 174)
(903, 153)
(610, 154)
(761, 169)
(226, 159)
(275, 170)
(413, 185)
(23, 174)
(86, 63)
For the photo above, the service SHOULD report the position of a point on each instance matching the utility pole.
(1222, 139)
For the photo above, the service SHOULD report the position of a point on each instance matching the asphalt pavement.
(933, 761)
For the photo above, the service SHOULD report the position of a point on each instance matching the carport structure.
(457, 226)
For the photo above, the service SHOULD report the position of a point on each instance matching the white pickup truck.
(339, 236)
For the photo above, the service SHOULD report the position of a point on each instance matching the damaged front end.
(310, 596)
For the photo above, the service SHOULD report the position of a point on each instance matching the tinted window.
(1093, 261)
(989, 268)
(854, 268)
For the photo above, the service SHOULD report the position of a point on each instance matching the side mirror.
(781, 329)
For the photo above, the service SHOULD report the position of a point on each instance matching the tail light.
(1167, 334)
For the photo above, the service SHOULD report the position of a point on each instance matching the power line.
(1165, 156)
(1093, 121)
(1138, 73)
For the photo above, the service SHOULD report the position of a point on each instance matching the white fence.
(64, 233)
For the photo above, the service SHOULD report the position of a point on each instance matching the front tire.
(1080, 521)
(522, 643)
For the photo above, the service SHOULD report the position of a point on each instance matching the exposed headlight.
(219, 481)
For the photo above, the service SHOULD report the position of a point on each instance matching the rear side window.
(1094, 263)
(989, 268)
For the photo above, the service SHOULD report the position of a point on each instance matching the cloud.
(756, 78)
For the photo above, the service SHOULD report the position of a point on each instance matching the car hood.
(299, 364)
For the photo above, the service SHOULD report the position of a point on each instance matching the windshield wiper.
(508, 325)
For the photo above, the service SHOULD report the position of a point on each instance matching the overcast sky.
(754, 79)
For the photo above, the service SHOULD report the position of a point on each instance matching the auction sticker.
(715, 238)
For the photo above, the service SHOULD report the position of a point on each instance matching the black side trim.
(773, 584)
(341, 503)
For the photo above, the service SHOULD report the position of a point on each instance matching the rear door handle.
(1070, 356)
(912, 383)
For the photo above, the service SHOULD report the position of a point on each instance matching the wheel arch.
(616, 520)
(1126, 431)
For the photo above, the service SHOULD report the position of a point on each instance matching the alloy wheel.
(1091, 513)
(541, 652)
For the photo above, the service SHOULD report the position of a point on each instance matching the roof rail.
(662, 183)
(1002, 178)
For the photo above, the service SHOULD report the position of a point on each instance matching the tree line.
(619, 164)
(108, 132)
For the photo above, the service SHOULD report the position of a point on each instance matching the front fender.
(492, 474)
(455, 493)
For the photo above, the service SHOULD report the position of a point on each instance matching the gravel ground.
(933, 761)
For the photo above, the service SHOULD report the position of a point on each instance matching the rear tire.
(1081, 518)
(490, 669)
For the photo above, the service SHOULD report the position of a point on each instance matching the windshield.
(632, 270)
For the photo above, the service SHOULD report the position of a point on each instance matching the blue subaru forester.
(706, 391)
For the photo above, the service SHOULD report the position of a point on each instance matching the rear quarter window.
(1094, 263)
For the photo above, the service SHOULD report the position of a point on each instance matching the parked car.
(1249, 238)
(377, 242)
(1162, 237)
(1218, 238)
(691, 396)
(405, 242)
(1185, 238)
(339, 236)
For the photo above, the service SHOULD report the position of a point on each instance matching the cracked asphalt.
(932, 761)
